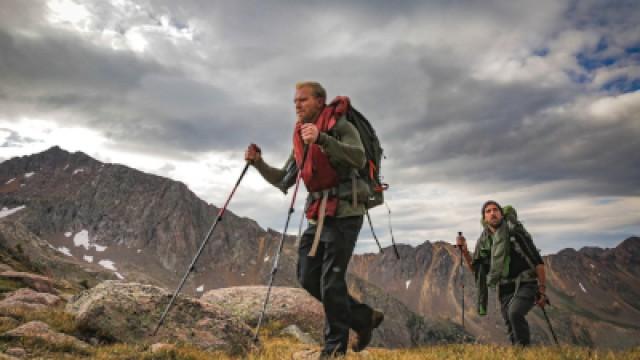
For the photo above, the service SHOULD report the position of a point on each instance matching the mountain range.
(84, 221)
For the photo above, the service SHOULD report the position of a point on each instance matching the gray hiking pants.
(514, 308)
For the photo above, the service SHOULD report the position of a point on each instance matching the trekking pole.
(274, 268)
(199, 252)
(393, 241)
(462, 276)
(373, 232)
(546, 317)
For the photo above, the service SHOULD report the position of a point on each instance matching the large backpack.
(370, 173)
(374, 154)
(522, 240)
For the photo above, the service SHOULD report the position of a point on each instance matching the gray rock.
(7, 357)
(287, 306)
(157, 347)
(33, 297)
(303, 337)
(26, 300)
(37, 282)
(40, 330)
(129, 312)
(13, 308)
(16, 351)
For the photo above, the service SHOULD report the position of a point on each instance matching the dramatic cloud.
(531, 103)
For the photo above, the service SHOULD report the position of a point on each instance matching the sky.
(530, 103)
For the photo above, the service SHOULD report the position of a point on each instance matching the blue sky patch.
(622, 85)
(541, 52)
(633, 49)
(590, 63)
(578, 77)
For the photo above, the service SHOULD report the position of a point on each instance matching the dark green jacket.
(346, 154)
(491, 258)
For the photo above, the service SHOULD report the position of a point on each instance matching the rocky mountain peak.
(630, 245)
(49, 159)
(626, 254)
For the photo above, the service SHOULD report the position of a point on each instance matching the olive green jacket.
(491, 258)
(346, 154)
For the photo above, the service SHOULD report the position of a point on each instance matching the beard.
(309, 117)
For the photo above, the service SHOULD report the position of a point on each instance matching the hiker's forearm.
(269, 173)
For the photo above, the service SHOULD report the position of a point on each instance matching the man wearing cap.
(505, 257)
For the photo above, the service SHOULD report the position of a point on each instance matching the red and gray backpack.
(374, 154)
(318, 164)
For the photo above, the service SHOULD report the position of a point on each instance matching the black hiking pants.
(323, 276)
(514, 308)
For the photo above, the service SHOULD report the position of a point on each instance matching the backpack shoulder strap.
(520, 239)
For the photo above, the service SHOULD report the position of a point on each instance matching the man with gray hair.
(327, 149)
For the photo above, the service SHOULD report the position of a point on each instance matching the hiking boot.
(364, 334)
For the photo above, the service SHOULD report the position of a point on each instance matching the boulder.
(158, 347)
(37, 282)
(33, 297)
(303, 337)
(16, 352)
(7, 357)
(287, 306)
(27, 300)
(39, 330)
(13, 308)
(129, 312)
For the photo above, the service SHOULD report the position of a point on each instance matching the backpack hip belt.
(351, 184)
(317, 195)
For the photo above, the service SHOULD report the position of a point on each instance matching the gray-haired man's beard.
(310, 118)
